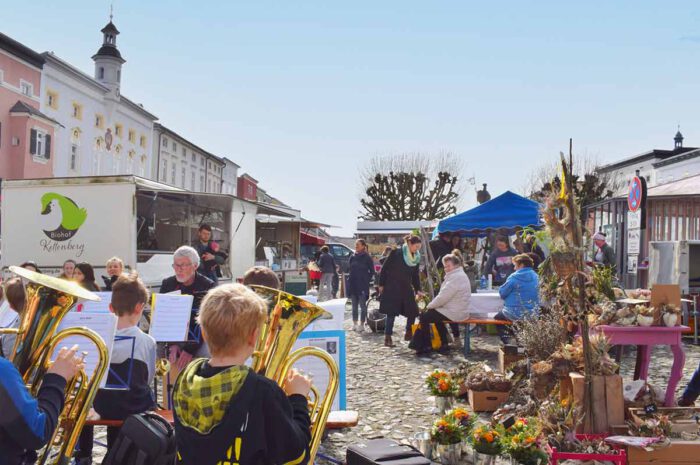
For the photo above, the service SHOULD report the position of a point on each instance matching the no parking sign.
(637, 197)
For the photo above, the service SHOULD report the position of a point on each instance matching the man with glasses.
(189, 282)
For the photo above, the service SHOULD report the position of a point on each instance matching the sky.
(302, 94)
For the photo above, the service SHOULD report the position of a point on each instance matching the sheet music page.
(101, 306)
(170, 317)
(335, 346)
(104, 324)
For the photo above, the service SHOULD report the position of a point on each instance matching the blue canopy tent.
(506, 213)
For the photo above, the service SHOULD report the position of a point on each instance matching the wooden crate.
(608, 401)
(505, 360)
(678, 453)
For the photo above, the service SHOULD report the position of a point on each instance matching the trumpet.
(48, 300)
(288, 315)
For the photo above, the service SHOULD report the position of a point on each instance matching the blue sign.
(634, 197)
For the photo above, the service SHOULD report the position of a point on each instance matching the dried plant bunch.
(541, 336)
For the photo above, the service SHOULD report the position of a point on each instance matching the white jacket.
(453, 298)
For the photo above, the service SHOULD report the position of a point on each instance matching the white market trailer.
(90, 219)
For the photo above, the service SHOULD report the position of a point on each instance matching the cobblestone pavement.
(386, 384)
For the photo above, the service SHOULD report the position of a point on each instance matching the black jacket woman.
(361, 268)
(399, 283)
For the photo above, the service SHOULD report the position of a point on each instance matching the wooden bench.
(336, 420)
(467, 333)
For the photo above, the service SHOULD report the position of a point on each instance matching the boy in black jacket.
(226, 413)
(26, 424)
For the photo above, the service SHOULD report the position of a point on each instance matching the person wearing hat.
(604, 255)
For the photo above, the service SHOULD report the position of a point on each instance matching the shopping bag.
(435, 341)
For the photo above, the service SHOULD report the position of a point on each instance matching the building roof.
(246, 175)
(89, 80)
(173, 134)
(392, 227)
(110, 27)
(685, 186)
(651, 155)
(21, 51)
(678, 158)
(109, 51)
(21, 107)
(226, 159)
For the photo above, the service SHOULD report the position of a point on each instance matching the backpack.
(144, 439)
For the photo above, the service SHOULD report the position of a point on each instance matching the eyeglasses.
(182, 267)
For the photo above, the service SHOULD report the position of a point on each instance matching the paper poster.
(101, 306)
(104, 324)
(332, 342)
(336, 307)
(170, 317)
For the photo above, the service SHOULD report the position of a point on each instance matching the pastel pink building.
(26, 134)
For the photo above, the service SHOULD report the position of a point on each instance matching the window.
(182, 177)
(102, 73)
(201, 182)
(116, 162)
(73, 157)
(132, 136)
(201, 161)
(99, 121)
(165, 142)
(40, 144)
(77, 111)
(174, 146)
(26, 88)
(130, 162)
(52, 99)
(173, 170)
(142, 166)
(192, 182)
(119, 130)
(339, 251)
(165, 171)
(142, 141)
(194, 157)
(184, 152)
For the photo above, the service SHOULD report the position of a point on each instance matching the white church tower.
(108, 60)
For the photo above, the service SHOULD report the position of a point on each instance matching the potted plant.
(447, 435)
(522, 443)
(444, 388)
(465, 421)
(486, 442)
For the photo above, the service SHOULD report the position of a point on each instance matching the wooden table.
(645, 337)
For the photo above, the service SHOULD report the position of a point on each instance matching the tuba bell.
(288, 315)
(48, 299)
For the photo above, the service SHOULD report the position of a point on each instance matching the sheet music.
(7, 315)
(170, 317)
(332, 342)
(101, 306)
(104, 324)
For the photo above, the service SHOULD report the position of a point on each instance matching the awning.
(310, 239)
(506, 213)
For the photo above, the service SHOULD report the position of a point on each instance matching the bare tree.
(589, 184)
(411, 186)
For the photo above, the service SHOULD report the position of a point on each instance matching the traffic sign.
(635, 196)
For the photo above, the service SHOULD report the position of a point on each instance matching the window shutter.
(47, 138)
(32, 142)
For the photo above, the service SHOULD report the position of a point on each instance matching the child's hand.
(67, 365)
(297, 383)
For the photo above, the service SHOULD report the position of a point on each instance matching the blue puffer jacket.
(520, 293)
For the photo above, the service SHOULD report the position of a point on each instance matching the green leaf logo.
(60, 216)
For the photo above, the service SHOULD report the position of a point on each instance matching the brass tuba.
(288, 315)
(48, 299)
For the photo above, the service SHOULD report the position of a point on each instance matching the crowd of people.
(227, 320)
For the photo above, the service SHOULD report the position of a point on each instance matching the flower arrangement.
(441, 384)
(445, 431)
(462, 418)
(486, 440)
(522, 443)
